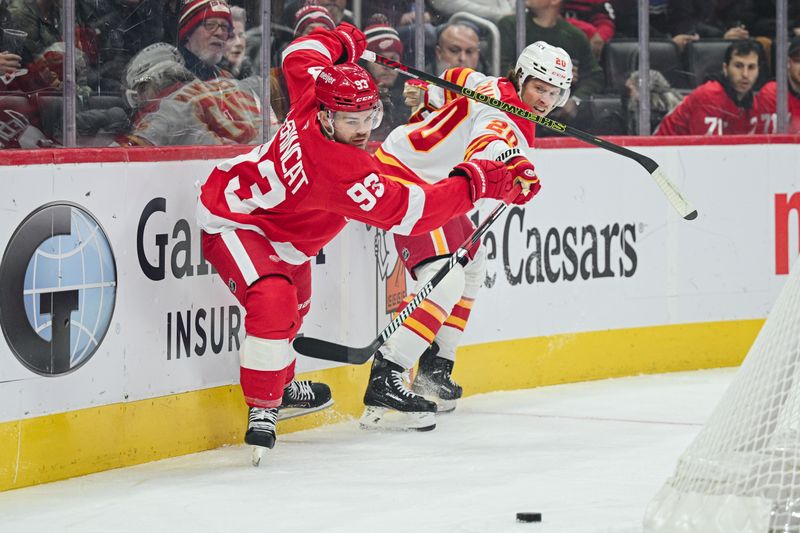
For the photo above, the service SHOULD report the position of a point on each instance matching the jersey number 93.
(366, 194)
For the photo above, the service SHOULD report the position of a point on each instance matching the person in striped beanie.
(310, 17)
(203, 28)
(384, 40)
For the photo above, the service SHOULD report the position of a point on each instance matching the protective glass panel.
(185, 72)
(172, 72)
(31, 74)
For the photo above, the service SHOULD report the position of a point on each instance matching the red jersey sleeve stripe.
(416, 206)
(306, 45)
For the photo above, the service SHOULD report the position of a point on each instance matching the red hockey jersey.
(299, 189)
(766, 109)
(708, 110)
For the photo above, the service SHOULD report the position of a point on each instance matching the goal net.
(742, 472)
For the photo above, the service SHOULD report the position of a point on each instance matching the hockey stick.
(681, 205)
(330, 351)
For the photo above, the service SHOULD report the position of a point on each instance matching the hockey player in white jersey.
(447, 130)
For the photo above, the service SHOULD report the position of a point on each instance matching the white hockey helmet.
(547, 63)
(159, 62)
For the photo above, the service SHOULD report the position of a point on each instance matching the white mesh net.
(742, 472)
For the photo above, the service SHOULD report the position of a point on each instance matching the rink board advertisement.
(602, 249)
(111, 316)
(113, 249)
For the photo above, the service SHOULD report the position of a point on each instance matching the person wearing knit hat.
(309, 17)
(203, 28)
(384, 40)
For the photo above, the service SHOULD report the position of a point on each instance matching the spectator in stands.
(663, 99)
(112, 32)
(203, 28)
(595, 18)
(310, 17)
(173, 107)
(384, 40)
(46, 71)
(727, 19)
(489, 9)
(45, 74)
(766, 99)
(458, 46)
(40, 19)
(543, 22)
(235, 60)
(723, 105)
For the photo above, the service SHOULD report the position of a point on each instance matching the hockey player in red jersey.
(724, 104)
(766, 99)
(266, 213)
(460, 130)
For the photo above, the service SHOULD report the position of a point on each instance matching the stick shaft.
(673, 195)
(331, 351)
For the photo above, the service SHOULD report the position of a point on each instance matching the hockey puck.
(529, 517)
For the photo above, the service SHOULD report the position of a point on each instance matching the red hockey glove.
(353, 40)
(487, 178)
(524, 173)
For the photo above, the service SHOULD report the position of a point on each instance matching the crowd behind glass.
(190, 72)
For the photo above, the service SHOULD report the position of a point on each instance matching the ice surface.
(588, 456)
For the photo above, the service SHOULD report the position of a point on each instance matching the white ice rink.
(587, 456)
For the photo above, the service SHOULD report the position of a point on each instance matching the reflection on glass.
(216, 77)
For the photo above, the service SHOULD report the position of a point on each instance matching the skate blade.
(294, 412)
(382, 418)
(444, 406)
(257, 455)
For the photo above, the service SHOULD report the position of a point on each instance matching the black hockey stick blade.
(330, 351)
(675, 198)
(339, 353)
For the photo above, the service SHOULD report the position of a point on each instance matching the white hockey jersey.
(459, 130)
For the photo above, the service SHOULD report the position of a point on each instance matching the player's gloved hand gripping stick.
(681, 205)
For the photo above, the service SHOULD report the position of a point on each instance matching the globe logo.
(57, 289)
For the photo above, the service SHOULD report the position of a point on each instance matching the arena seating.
(621, 57)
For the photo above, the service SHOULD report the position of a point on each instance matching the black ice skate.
(261, 431)
(391, 405)
(435, 381)
(304, 397)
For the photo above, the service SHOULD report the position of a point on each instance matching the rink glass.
(107, 35)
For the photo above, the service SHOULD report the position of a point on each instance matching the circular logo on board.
(58, 283)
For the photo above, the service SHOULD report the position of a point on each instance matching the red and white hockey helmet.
(348, 87)
(547, 63)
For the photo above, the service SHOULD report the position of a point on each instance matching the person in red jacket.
(766, 99)
(723, 105)
(595, 18)
(266, 213)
